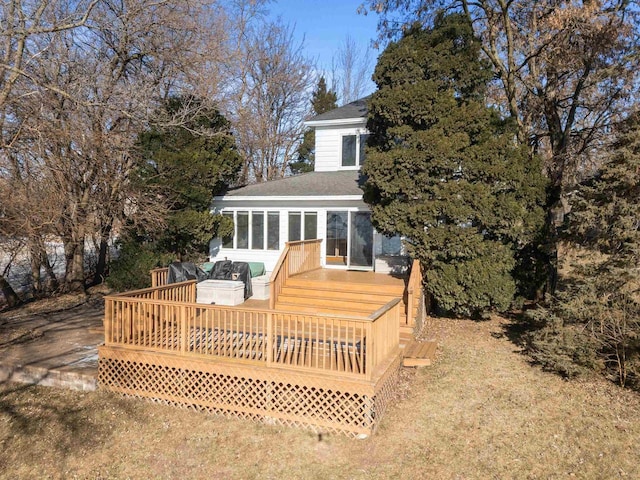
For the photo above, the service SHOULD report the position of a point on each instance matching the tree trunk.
(554, 218)
(101, 266)
(74, 256)
(52, 284)
(76, 281)
(34, 260)
(10, 295)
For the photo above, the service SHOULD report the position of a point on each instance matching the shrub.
(444, 171)
(130, 270)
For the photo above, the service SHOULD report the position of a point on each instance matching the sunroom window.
(242, 229)
(257, 230)
(273, 231)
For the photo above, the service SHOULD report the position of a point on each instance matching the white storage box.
(392, 264)
(220, 292)
(260, 286)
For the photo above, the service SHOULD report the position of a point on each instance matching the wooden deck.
(324, 372)
(323, 352)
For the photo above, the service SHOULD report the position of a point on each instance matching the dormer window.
(353, 150)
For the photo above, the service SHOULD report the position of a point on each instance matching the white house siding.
(329, 146)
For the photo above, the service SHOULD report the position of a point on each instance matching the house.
(324, 204)
(325, 351)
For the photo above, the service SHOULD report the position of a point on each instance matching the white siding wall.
(329, 146)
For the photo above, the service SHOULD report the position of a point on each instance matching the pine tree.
(321, 102)
(594, 321)
(445, 171)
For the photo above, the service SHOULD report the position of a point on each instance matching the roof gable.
(351, 111)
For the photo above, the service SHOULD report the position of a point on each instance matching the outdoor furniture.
(220, 292)
(260, 286)
(228, 270)
(183, 271)
(257, 269)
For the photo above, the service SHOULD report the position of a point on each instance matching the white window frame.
(265, 223)
(359, 134)
(302, 222)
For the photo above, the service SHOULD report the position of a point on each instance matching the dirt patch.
(481, 411)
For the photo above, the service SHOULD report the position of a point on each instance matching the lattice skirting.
(317, 402)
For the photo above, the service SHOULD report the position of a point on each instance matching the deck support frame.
(321, 403)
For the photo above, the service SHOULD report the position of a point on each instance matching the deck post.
(183, 328)
(270, 339)
(108, 321)
(369, 351)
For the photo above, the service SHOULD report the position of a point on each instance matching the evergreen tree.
(445, 171)
(594, 321)
(188, 165)
(184, 167)
(322, 101)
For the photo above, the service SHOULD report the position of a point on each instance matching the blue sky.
(325, 24)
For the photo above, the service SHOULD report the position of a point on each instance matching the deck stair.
(419, 354)
(341, 297)
(347, 293)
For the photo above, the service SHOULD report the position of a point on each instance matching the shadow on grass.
(517, 330)
(38, 424)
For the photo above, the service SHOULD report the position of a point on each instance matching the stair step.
(406, 329)
(326, 293)
(419, 354)
(395, 290)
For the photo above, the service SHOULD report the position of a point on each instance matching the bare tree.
(73, 114)
(80, 79)
(20, 23)
(351, 70)
(271, 101)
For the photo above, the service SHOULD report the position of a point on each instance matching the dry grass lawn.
(480, 412)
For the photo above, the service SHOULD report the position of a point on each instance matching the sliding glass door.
(361, 245)
(337, 238)
(349, 239)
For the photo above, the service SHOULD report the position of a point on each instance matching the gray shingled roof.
(357, 109)
(311, 184)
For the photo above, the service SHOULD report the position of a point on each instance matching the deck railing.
(175, 292)
(340, 345)
(159, 277)
(385, 331)
(414, 291)
(297, 257)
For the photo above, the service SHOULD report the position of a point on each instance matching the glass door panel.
(361, 249)
(337, 235)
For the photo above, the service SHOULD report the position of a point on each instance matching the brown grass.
(480, 412)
